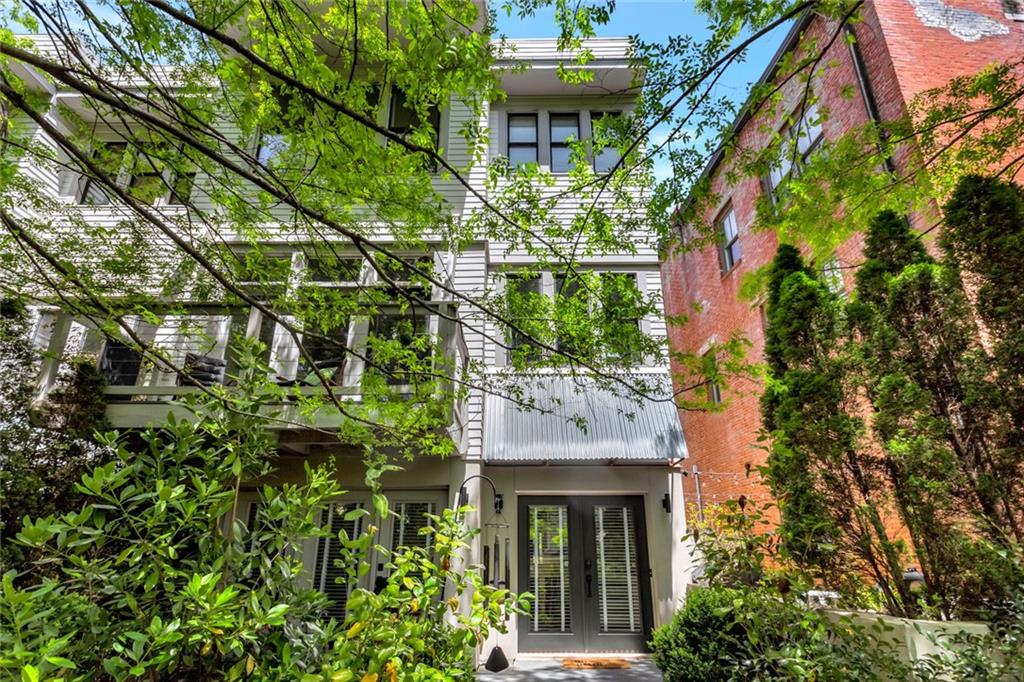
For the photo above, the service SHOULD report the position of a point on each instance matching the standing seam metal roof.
(617, 428)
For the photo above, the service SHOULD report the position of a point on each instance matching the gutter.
(867, 91)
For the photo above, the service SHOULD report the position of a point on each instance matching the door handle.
(590, 580)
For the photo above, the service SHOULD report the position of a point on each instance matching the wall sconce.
(913, 579)
(666, 503)
(499, 499)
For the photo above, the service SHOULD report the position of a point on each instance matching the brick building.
(901, 48)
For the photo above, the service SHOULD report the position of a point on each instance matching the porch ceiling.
(577, 422)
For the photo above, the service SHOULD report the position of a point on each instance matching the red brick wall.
(903, 57)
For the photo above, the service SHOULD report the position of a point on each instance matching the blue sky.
(656, 21)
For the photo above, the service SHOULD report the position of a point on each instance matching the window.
(522, 139)
(808, 133)
(832, 275)
(622, 308)
(404, 275)
(413, 347)
(714, 393)
(568, 301)
(264, 276)
(109, 157)
(120, 363)
(523, 295)
(729, 239)
(410, 518)
(146, 182)
(326, 350)
(330, 270)
(403, 119)
(331, 577)
(606, 158)
(565, 129)
(183, 180)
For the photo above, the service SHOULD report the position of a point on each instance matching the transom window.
(522, 139)
(565, 129)
(729, 240)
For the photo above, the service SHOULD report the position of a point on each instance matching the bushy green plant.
(761, 634)
(702, 640)
(43, 454)
(157, 578)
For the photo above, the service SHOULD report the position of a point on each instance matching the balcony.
(193, 350)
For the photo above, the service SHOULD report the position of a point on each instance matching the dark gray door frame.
(585, 635)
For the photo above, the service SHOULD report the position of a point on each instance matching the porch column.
(52, 355)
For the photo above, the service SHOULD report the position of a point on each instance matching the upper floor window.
(714, 391)
(729, 240)
(523, 292)
(108, 157)
(606, 158)
(146, 171)
(565, 129)
(832, 275)
(522, 139)
(403, 118)
(799, 140)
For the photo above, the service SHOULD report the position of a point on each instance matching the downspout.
(867, 92)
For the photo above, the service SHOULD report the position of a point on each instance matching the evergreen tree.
(43, 454)
(984, 240)
(935, 411)
(828, 488)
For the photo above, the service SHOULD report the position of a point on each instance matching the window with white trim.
(729, 240)
(522, 139)
(608, 156)
(799, 140)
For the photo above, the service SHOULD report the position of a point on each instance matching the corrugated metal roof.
(614, 427)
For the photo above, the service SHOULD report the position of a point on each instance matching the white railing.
(191, 350)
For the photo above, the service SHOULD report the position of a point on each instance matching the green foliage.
(157, 577)
(758, 634)
(905, 356)
(413, 629)
(43, 452)
(683, 649)
(828, 488)
(936, 410)
(984, 239)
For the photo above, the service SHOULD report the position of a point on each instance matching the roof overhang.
(531, 67)
(575, 421)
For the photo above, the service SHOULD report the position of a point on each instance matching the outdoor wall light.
(499, 499)
(666, 503)
(913, 579)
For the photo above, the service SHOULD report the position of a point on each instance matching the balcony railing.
(195, 348)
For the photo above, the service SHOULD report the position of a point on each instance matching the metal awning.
(578, 422)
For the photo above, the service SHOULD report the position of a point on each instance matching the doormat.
(595, 664)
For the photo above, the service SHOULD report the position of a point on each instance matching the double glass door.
(584, 558)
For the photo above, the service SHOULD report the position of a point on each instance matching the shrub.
(685, 649)
(758, 634)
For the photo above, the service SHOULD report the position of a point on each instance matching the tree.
(43, 452)
(158, 576)
(937, 413)
(984, 241)
(820, 466)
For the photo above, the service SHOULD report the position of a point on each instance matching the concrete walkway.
(550, 669)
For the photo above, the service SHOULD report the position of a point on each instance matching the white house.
(591, 521)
